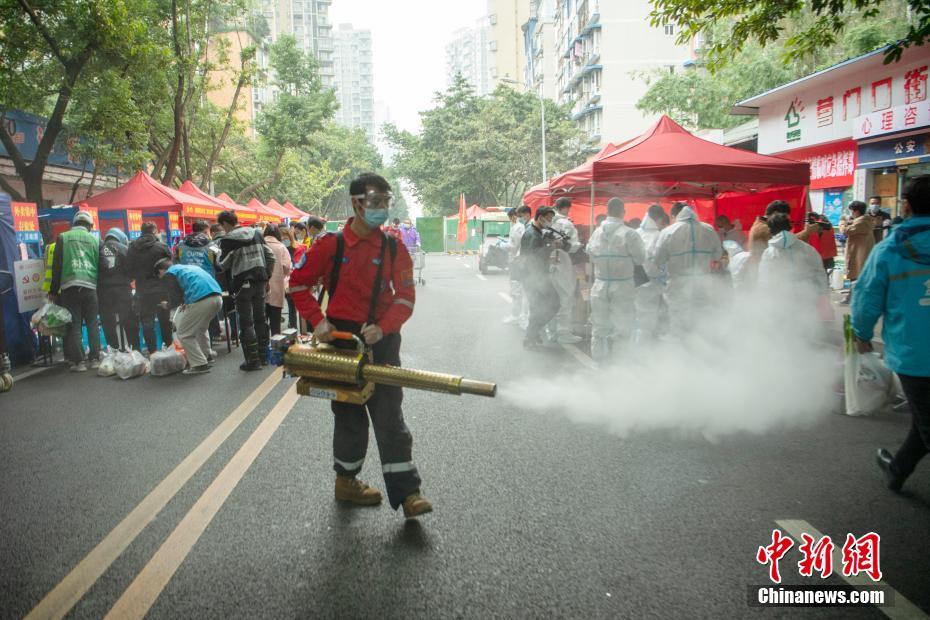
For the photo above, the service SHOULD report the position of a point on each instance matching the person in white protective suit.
(519, 309)
(649, 295)
(563, 273)
(789, 264)
(615, 250)
(687, 248)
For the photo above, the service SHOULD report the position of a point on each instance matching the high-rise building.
(308, 22)
(354, 79)
(505, 39)
(467, 54)
(539, 48)
(603, 48)
(224, 50)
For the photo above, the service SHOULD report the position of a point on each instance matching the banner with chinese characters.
(902, 118)
(134, 224)
(832, 165)
(26, 222)
(198, 212)
(96, 217)
(896, 151)
(174, 224)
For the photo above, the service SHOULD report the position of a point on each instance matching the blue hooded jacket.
(895, 284)
(195, 283)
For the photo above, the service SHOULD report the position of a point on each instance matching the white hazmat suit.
(687, 248)
(790, 262)
(518, 309)
(615, 249)
(564, 279)
(649, 295)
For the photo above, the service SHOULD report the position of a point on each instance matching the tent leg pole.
(591, 223)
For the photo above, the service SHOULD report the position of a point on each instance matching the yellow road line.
(148, 584)
(902, 609)
(75, 585)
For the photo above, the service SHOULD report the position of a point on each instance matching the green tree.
(56, 52)
(765, 22)
(700, 99)
(298, 111)
(488, 148)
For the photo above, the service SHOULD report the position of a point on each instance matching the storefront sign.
(832, 165)
(29, 275)
(96, 217)
(134, 220)
(901, 118)
(26, 222)
(896, 151)
(864, 99)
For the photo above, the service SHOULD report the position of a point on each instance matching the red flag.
(462, 232)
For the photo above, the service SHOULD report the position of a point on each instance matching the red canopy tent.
(277, 207)
(669, 163)
(264, 213)
(245, 215)
(295, 212)
(143, 193)
(196, 212)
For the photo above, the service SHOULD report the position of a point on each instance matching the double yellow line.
(149, 583)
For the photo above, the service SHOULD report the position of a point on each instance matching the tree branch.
(9, 189)
(52, 43)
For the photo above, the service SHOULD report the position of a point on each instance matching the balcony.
(585, 111)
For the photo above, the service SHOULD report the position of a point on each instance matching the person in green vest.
(74, 285)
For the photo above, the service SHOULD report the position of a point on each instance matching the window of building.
(492, 46)
(492, 19)
(669, 29)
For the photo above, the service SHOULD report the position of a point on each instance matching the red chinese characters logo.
(861, 555)
(881, 94)
(773, 553)
(910, 116)
(852, 103)
(888, 120)
(825, 112)
(915, 85)
(817, 557)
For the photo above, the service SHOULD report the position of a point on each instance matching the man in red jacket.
(369, 278)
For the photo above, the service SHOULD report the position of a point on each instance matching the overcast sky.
(409, 40)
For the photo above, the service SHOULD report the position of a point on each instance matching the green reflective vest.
(80, 258)
(49, 259)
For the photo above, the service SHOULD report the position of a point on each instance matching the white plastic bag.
(868, 383)
(108, 363)
(167, 362)
(129, 365)
(51, 320)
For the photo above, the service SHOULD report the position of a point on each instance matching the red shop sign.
(832, 165)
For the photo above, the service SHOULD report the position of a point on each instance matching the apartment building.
(468, 54)
(604, 47)
(308, 22)
(507, 58)
(540, 49)
(354, 79)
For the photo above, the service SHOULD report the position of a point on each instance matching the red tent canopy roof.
(295, 212)
(143, 193)
(667, 153)
(277, 208)
(189, 188)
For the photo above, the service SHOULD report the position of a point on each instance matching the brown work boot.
(416, 505)
(351, 489)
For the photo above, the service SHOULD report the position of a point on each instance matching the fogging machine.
(350, 376)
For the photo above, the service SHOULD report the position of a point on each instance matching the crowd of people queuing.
(654, 277)
(219, 270)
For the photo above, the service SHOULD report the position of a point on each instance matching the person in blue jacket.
(895, 286)
(199, 298)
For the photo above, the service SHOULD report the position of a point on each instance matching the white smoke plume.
(751, 363)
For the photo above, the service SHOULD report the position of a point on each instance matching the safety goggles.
(376, 200)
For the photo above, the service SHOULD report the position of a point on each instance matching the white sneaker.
(80, 367)
(569, 339)
(510, 320)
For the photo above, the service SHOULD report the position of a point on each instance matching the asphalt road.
(536, 515)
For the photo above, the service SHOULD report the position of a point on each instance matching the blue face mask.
(375, 217)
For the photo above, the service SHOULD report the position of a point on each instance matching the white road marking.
(481, 277)
(62, 598)
(30, 373)
(903, 609)
(584, 359)
(506, 297)
(148, 584)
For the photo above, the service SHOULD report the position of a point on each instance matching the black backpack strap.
(376, 290)
(337, 266)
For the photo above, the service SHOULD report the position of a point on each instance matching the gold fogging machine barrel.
(350, 376)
